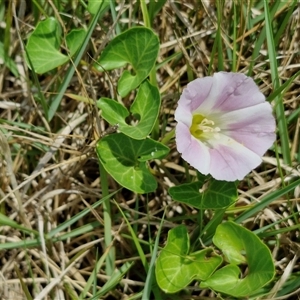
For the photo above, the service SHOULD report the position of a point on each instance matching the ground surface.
(49, 170)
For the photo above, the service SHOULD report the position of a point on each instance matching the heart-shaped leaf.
(176, 268)
(146, 106)
(218, 194)
(125, 160)
(240, 245)
(137, 46)
(44, 42)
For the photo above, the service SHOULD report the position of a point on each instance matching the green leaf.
(94, 5)
(125, 160)
(187, 193)
(240, 245)
(176, 268)
(137, 46)
(146, 106)
(74, 40)
(42, 46)
(218, 194)
(55, 101)
(44, 43)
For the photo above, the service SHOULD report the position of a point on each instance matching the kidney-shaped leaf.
(44, 42)
(145, 106)
(218, 194)
(137, 46)
(240, 245)
(125, 160)
(176, 268)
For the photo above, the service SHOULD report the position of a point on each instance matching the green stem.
(110, 259)
(145, 14)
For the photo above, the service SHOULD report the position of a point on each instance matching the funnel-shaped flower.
(224, 125)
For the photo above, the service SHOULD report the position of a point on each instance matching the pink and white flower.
(224, 125)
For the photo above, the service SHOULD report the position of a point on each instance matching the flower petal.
(230, 160)
(195, 93)
(238, 130)
(254, 127)
(183, 114)
(230, 91)
(192, 150)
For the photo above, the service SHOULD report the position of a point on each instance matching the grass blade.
(266, 201)
(150, 275)
(279, 107)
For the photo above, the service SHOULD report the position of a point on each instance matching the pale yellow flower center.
(203, 128)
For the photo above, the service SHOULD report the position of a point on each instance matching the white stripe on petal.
(231, 160)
